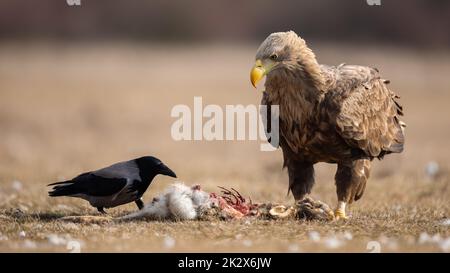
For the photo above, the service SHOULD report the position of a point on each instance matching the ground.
(69, 108)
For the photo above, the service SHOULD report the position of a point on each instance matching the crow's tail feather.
(64, 188)
(60, 183)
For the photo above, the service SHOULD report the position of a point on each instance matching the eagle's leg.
(139, 203)
(301, 178)
(351, 178)
(339, 213)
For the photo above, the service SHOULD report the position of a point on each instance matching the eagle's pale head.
(281, 50)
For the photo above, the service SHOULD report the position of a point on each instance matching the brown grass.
(67, 109)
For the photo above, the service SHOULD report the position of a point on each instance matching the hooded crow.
(118, 184)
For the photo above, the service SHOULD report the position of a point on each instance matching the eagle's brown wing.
(365, 111)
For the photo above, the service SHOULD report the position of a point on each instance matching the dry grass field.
(69, 108)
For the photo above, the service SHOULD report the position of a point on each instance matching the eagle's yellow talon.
(340, 214)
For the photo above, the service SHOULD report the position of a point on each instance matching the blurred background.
(85, 86)
(415, 23)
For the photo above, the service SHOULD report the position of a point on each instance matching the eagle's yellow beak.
(257, 73)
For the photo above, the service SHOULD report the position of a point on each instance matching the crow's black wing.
(89, 184)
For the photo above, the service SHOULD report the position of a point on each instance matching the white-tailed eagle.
(343, 114)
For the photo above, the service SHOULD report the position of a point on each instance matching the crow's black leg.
(140, 203)
(101, 210)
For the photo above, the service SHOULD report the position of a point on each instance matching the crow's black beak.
(163, 169)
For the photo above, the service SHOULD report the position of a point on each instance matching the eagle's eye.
(274, 57)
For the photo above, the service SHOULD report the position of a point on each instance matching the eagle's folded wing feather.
(367, 115)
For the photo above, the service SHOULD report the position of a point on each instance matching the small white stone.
(445, 245)
(247, 243)
(56, 240)
(446, 222)
(348, 236)
(22, 234)
(314, 236)
(293, 248)
(17, 185)
(432, 169)
(169, 242)
(29, 244)
(424, 238)
(333, 242)
(436, 238)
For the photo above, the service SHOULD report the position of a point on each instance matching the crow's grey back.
(126, 169)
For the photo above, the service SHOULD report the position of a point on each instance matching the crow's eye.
(274, 57)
